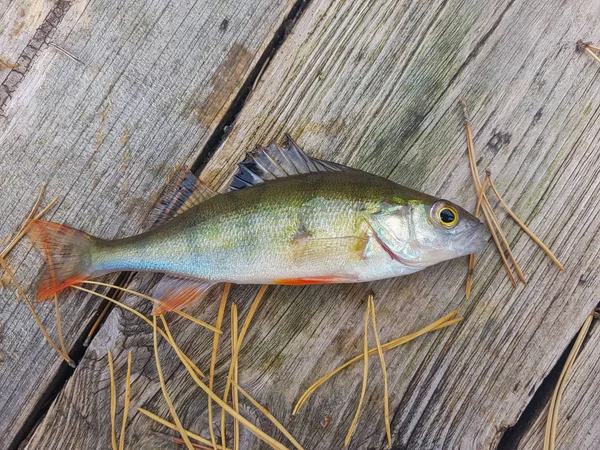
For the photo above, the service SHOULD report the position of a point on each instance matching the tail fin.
(67, 252)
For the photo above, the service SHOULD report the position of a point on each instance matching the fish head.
(426, 231)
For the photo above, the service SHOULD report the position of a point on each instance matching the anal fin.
(175, 293)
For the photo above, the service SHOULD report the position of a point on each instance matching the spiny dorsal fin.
(180, 195)
(263, 164)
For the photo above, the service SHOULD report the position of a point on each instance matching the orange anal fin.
(314, 280)
(177, 293)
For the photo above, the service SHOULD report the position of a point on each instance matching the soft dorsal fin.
(180, 195)
(263, 164)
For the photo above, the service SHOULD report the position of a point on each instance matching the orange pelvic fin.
(177, 293)
(313, 280)
(67, 253)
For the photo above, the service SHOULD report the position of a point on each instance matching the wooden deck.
(110, 99)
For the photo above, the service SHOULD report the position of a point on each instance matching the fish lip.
(479, 246)
(479, 238)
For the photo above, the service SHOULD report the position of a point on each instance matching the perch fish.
(287, 219)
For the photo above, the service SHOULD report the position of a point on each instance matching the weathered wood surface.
(375, 85)
(19, 22)
(578, 424)
(154, 81)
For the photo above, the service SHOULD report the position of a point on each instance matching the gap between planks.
(220, 133)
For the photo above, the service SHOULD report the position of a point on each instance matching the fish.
(286, 219)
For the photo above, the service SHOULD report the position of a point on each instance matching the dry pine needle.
(445, 321)
(245, 422)
(363, 389)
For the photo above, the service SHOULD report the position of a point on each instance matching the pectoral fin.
(306, 248)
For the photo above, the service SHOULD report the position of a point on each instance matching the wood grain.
(578, 416)
(385, 99)
(375, 85)
(106, 132)
(24, 25)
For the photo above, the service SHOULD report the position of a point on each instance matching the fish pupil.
(447, 216)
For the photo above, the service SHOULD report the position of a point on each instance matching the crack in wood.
(40, 37)
(509, 437)
(472, 55)
(219, 134)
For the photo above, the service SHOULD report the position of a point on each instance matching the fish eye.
(447, 216)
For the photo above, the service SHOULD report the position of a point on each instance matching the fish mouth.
(479, 239)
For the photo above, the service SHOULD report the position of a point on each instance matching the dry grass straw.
(234, 363)
(61, 339)
(156, 301)
(245, 326)
(589, 49)
(491, 219)
(194, 371)
(524, 227)
(39, 323)
(496, 224)
(96, 325)
(363, 389)
(100, 317)
(592, 47)
(446, 321)
(6, 65)
(471, 270)
(386, 395)
(269, 416)
(113, 403)
(163, 386)
(552, 421)
(487, 209)
(29, 220)
(172, 426)
(135, 312)
(213, 360)
(245, 422)
(126, 403)
(171, 341)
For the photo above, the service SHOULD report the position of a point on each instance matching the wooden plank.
(385, 101)
(21, 34)
(375, 85)
(150, 83)
(578, 415)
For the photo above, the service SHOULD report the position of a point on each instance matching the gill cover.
(393, 230)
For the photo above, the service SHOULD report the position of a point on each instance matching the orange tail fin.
(67, 252)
